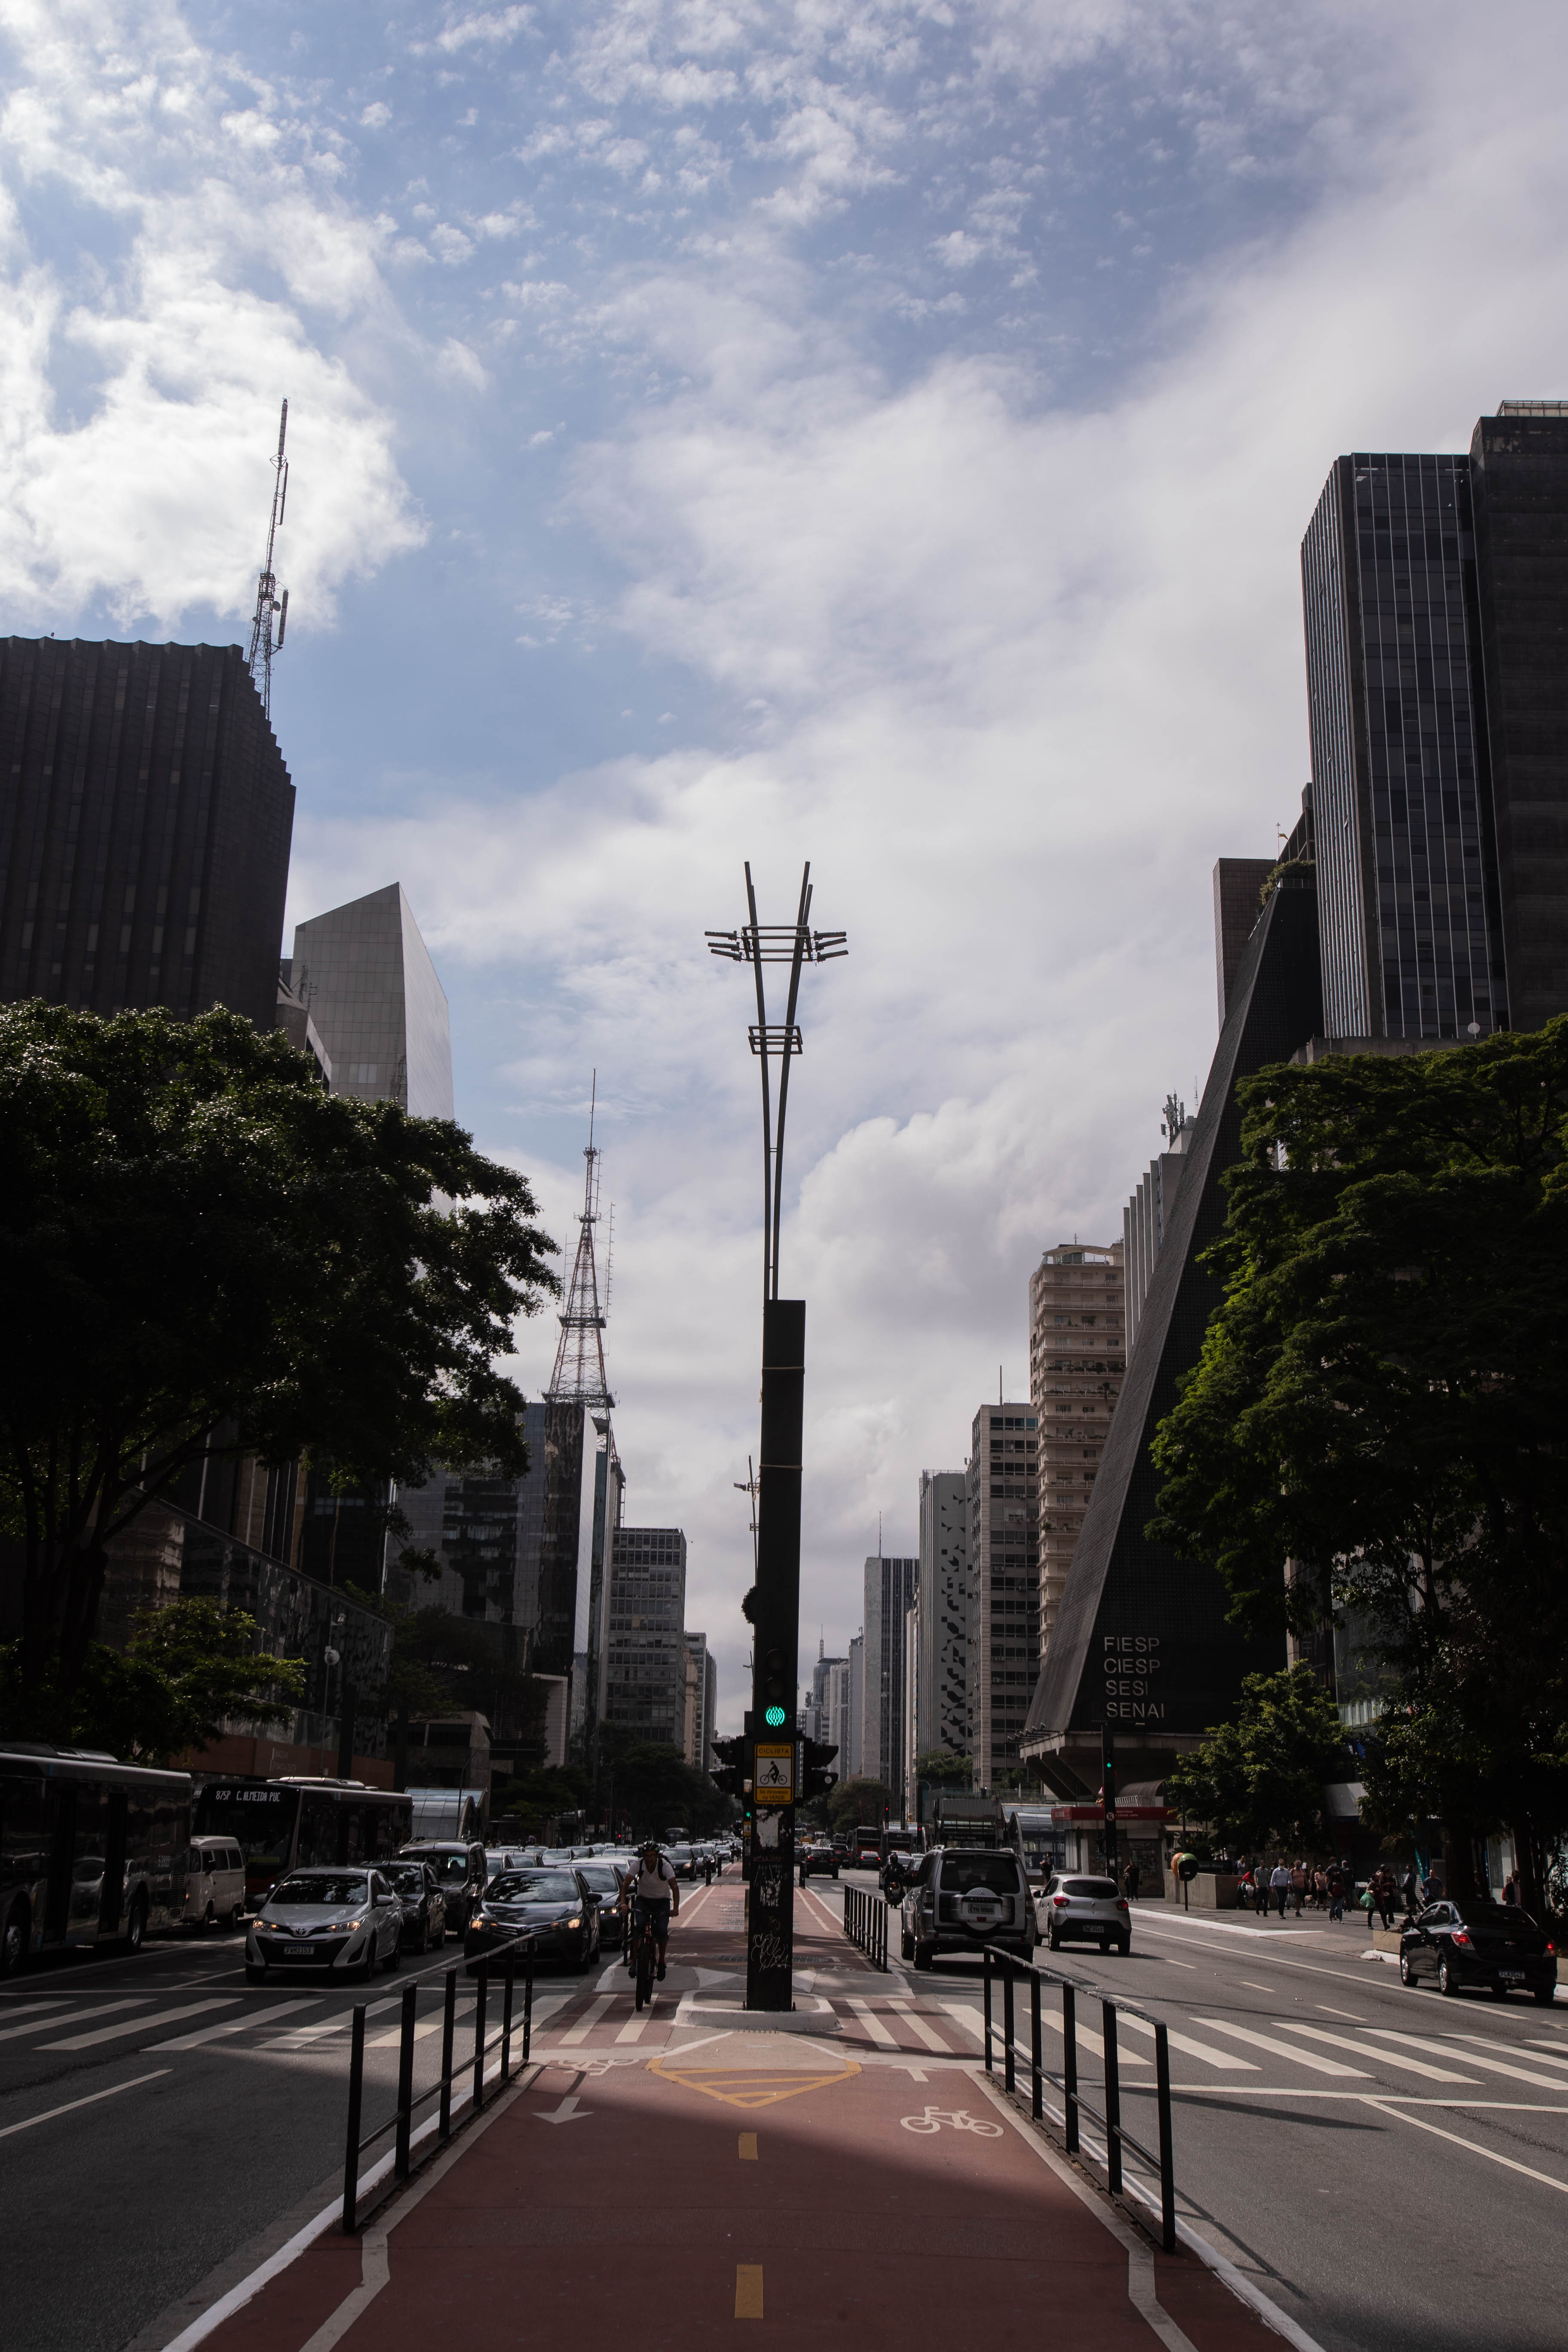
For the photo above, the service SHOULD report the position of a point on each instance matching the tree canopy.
(1380, 1402)
(199, 1246)
(1257, 1783)
(187, 1669)
(856, 1800)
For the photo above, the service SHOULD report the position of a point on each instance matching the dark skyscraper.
(145, 829)
(1436, 597)
(1519, 475)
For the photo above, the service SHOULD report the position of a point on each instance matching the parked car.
(820, 1859)
(214, 1882)
(418, 1890)
(460, 1869)
(1079, 1910)
(326, 1917)
(556, 1903)
(1471, 1941)
(961, 1899)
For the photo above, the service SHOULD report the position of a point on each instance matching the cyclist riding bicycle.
(655, 1898)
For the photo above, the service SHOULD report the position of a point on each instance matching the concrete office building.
(890, 1586)
(834, 1717)
(854, 1751)
(1148, 1213)
(943, 1675)
(364, 976)
(144, 835)
(645, 1647)
(1077, 1359)
(1004, 1588)
(701, 1703)
(815, 1713)
(1434, 588)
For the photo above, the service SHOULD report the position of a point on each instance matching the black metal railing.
(1160, 2161)
(866, 1924)
(401, 2121)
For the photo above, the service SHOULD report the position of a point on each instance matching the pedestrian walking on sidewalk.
(1336, 1894)
(1411, 1890)
(1384, 1894)
(1130, 1882)
(1279, 1883)
(1510, 1889)
(1298, 1886)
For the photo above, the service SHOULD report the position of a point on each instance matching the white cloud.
(147, 488)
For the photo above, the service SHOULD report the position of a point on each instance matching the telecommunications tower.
(269, 607)
(579, 1374)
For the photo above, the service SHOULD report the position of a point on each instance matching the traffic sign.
(773, 1774)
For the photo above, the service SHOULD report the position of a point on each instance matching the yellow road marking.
(748, 2147)
(752, 2088)
(748, 2290)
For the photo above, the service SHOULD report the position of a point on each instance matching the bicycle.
(644, 1957)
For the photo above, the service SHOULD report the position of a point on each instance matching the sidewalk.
(691, 2181)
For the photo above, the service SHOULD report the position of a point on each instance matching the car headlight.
(348, 1926)
(575, 1922)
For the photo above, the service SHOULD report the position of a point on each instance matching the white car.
(347, 1920)
(1081, 1910)
(214, 1882)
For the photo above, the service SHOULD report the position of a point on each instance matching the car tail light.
(1058, 1902)
(1121, 1902)
(1460, 1937)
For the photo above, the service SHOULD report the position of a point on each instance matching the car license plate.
(1510, 1976)
(297, 1951)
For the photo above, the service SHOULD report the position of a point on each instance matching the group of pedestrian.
(1298, 1886)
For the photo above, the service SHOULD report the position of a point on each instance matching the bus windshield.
(260, 1820)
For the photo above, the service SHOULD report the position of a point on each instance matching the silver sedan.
(346, 1920)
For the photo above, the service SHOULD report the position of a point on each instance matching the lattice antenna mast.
(579, 1375)
(271, 617)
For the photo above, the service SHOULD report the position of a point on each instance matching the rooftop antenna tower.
(579, 1374)
(271, 616)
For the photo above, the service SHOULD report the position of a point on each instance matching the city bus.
(1039, 1842)
(283, 1825)
(91, 1851)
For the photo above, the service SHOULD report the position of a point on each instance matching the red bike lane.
(733, 2179)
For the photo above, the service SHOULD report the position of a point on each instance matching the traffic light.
(735, 1761)
(813, 1779)
(778, 1691)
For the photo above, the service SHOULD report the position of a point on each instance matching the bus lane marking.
(91, 2100)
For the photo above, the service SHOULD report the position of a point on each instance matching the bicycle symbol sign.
(931, 2119)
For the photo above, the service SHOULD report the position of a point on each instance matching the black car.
(1475, 1942)
(556, 1903)
(424, 1905)
(819, 1860)
(459, 1868)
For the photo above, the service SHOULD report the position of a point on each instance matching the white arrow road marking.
(566, 2113)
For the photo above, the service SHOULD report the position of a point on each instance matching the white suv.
(1086, 1911)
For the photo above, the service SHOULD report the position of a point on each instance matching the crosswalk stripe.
(918, 2024)
(1343, 2042)
(72, 2017)
(141, 2024)
(219, 2032)
(586, 2022)
(634, 2029)
(1089, 2039)
(1472, 2058)
(1226, 2059)
(1283, 2050)
(872, 2024)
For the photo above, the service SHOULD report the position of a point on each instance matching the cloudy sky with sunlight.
(874, 431)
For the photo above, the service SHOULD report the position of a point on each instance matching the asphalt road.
(161, 2120)
(1389, 2165)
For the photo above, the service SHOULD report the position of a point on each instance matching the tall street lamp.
(770, 1729)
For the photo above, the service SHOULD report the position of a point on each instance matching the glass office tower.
(364, 976)
(1406, 842)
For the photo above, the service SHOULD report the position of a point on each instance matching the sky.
(874, 431)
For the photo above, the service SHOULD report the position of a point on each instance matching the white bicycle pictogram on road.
(931, 2119)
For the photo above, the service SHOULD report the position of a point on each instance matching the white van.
(214, 1882)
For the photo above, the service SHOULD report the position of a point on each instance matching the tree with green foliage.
(187, 1669)
(199, 1249)
(1257, 1783)
(943, 1768)
(651, 1786)
(858, 1800)
(1382, 1395)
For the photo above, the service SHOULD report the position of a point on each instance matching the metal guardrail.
(1118, 2139)
(866, 1924)
(402, 2119)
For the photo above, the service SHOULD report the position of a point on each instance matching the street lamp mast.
(770, 1729)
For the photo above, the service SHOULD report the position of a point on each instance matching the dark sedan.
(557, 1907)
(1469, 1942)
(819, 1860)
(424, 1905)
